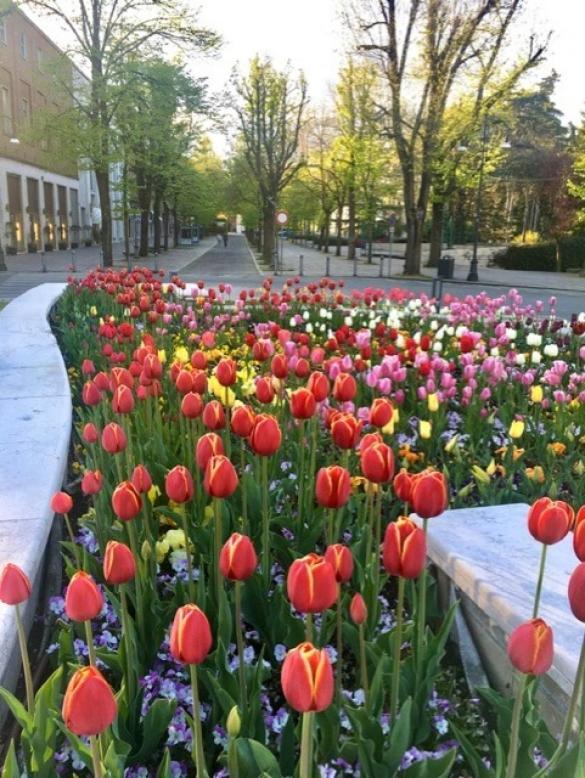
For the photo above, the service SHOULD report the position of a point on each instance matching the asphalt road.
(233, 264)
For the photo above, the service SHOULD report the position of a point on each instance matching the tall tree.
(104, 35)
(270, 107)
(425, 50)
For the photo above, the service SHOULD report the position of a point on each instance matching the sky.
(310, 35)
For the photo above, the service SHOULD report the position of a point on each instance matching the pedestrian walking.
(225, 239)
(218, 237)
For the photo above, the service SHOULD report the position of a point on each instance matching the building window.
(23, 46)
(6, 111)
(3, 36)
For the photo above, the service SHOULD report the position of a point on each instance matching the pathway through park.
(231, 264)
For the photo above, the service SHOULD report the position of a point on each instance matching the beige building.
(43, 202)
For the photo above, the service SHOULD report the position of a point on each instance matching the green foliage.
(543, 256)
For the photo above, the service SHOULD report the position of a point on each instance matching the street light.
(473, 275)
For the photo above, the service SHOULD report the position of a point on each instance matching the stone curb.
(35, 430)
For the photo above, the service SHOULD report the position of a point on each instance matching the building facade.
(45, 202)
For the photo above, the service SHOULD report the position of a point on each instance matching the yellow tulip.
(425, 429)
(153, 493)
(480, 475)
(516, 429)
(162, 355)
(433, 402)
(181, 355)
(536, 394)
(450, 444)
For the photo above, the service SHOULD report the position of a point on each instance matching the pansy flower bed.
(247, 593)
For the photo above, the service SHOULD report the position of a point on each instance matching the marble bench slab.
(493, 561)
(35, 429)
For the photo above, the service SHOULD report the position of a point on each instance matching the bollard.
(437, 289)
(355, 264)
(327, 264)
(301, 265)
(156, 261)
(381, 273)
(73, 261)
(43, 262)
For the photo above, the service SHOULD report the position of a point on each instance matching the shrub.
(543, 256)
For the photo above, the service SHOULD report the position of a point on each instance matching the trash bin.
(446, 267)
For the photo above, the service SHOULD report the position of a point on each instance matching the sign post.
(281, 219)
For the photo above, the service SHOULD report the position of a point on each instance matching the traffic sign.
(281, 218)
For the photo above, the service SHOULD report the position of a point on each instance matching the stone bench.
(492, 561)
(35, 429)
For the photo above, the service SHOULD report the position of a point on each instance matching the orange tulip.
(579, 534)
(90, 433)
(429, 495)
(307, 678)
(119, 563)
(15, 586)
(242, 421)
(89, 705)
(264, 390)
(126, 501)
(83, 599)
(318, 385)
(141, 479)
(341, 560)
(266, 437)
(61, 502)
(381, 412)
(402, 485)
(549, 521)
(237, 559)
(221, 479)
(345, 430)
(279, 366)
(344, 388)
(123, 400)
(405, 549)
(358, 610)
(90, 394)
(213, 415)
(113, 438)
(92, 482)
(208, 445)
(302, 404)
(190, 640)
(530, 647)
(191, 405)
(226, 372)
(332, 486)
(311, 584)
(377, 463)
(179, 484)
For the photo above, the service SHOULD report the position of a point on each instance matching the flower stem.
(243, 488)
(131, 686)
(197, 749)
(28, 681)
(540, 581)
(72, 539)
(309, 628)
(190, 582)
(513, 752)
(218, 534)
(89, 641)
(240, 643)
(421, 616)
(339, 664)
(395, 690)
(305, 766)
(95, 757)
(265, 524)
(301, 479)
(137, 580)
(363, 664)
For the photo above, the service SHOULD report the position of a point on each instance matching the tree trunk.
(125, 217)
(156, 221)
(165, 226)
(351, 209)
(370, 240)
(268, 234)
(326, 233)
(338, 227)
(436, 233)
(413, 243)
(102, 175)
(176, 227)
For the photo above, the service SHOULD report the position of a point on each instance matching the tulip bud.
(199, 360)
(123, 400)
(191, 405)
(536, 394)
(233, 724)
(190, 640)
(549, 521)
(208, 445)
(302, 404)
(92, 482)
(429, 495)
(530, 647)
(344, 388)
(226, 372)
(579, 534)
(242, 421)
(264, 390)
(377, 463)
(358, 609)
(405, 549)
(89, 705)
(126, 501)
(266, 437)
(119, 563)
(311, 584)
(307, 679)
(90, 394)
(141, 479)
(425, 429)
(213, 415)
(179, 484)
(113, 438)
(237, 559)
(577, 592)
(90, 433)
(87, 367)
(341, 560)
(318, 385)
(369, 440)
(83, 599)
(345, 430)
(279, 366)
(516, 429)
(15, 586)
(332, 486)
(221, 479)
(61, 502)
(381, 412)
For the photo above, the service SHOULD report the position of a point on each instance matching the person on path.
(218, 236)
(225, 239)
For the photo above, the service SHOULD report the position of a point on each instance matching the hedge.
(543, 256)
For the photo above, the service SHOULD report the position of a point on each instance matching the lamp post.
(472, 275)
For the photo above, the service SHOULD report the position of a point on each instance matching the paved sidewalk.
(233, 264)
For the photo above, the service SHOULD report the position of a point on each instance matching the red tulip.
(119, 563)
(113, 438)
(405, 549)
(403, 485)
(14, 585)
(184, 382)
(126, 501)
(226, 372)
(576, 592)
(332, 486)
(237, 559)
(311, 585)
(530, 647)
(381, 412)
(83, 599)
(579, 534)
(208, 445)
(358, 610)
(199, 381)
(90, 433)
(429, 495)
(179, 484)
(549, 521)
(318, 384)
(341, 560)
(264, 390)
(190, 640)
(345, 430)
(213, 415)
(221, 479)
(279, 366)
(123, 400)
(302, 404)
(92, 482)
(377, 463)
(369, 440)
(302, 368)
(191, 405)
(90, 394)
(87, 367)
(141, 479)
(89, 705)
(266, 437)
(242, 421)
(199, 360)
(344, 388)
(307, 679)
(61, 502)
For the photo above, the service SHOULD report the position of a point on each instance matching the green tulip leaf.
(11, 768)
(255, 760)
(432, 768)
